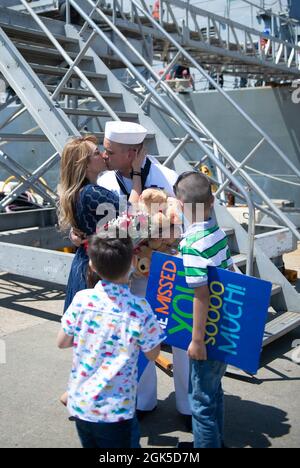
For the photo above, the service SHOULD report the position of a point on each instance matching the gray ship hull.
(271, 108)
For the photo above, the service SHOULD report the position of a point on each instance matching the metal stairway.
(219, 43)
(213, 40)
(30, 51)
(112, 102)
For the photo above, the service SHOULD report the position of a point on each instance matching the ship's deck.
(260, 412)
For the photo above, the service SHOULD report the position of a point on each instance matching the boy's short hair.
(193, 187)
(111, 258)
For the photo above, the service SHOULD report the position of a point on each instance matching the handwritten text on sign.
(237, 311)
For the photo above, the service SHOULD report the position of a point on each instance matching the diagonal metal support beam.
(70, 72)
(17, 113)
(81, 75)
(23, 174)
(34, 95)
(177, 151)
(159, 82)
(30, 182)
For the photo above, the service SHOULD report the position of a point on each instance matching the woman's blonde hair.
(73, 167)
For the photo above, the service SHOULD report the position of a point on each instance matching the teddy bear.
(143, 256)
(154, 201)
(153, 196)
(165, 219)
(163, 210)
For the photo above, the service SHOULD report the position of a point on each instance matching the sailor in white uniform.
(122, 141)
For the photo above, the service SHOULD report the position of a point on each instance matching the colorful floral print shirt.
(110, 326)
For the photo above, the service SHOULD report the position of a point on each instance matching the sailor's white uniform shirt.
(159, 177)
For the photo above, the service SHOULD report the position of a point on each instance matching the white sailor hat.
(126, 133)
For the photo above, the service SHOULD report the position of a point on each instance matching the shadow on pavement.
(16, 292)
(250, 424)
(247, 424)
(158, 426)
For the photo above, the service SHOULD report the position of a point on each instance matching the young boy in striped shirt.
(204, 244)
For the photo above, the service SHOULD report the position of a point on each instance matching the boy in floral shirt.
(107, 327)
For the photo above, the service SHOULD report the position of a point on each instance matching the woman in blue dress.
(80, 197)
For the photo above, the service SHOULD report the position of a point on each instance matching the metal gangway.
(60, 73)
(215, 41)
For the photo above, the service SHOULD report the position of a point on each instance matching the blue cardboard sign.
(237, 311)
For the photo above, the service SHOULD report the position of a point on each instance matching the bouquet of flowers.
(154, 225)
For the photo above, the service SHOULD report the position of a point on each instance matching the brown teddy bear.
(163, 210)
(154, 202)
(152, 196)
(165, 217)
(143, 256)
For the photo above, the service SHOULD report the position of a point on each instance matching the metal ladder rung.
(38, 51)
(276, 289)
(240, 260)
(100, 135)
(228, 231)
(19, 31)
(41, 217)
(179, 139)
(84, 92)
(54, 53)
(99, 113)
(162, 159)
(59, 71)
(14, 137)
(280, 326)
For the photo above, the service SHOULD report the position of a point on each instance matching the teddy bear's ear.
(155, 243)
(153, 195)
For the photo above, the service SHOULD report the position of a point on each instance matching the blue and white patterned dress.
(90, 197)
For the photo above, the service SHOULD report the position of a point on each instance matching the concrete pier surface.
(261, 411)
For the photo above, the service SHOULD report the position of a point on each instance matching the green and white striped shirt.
(203, 245)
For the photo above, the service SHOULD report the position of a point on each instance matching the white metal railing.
(191, 117)
(27, 180)
(190, 123)
(73, 64)
(282, 15)
(39, 6)
(200, 27)
(225, 33)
